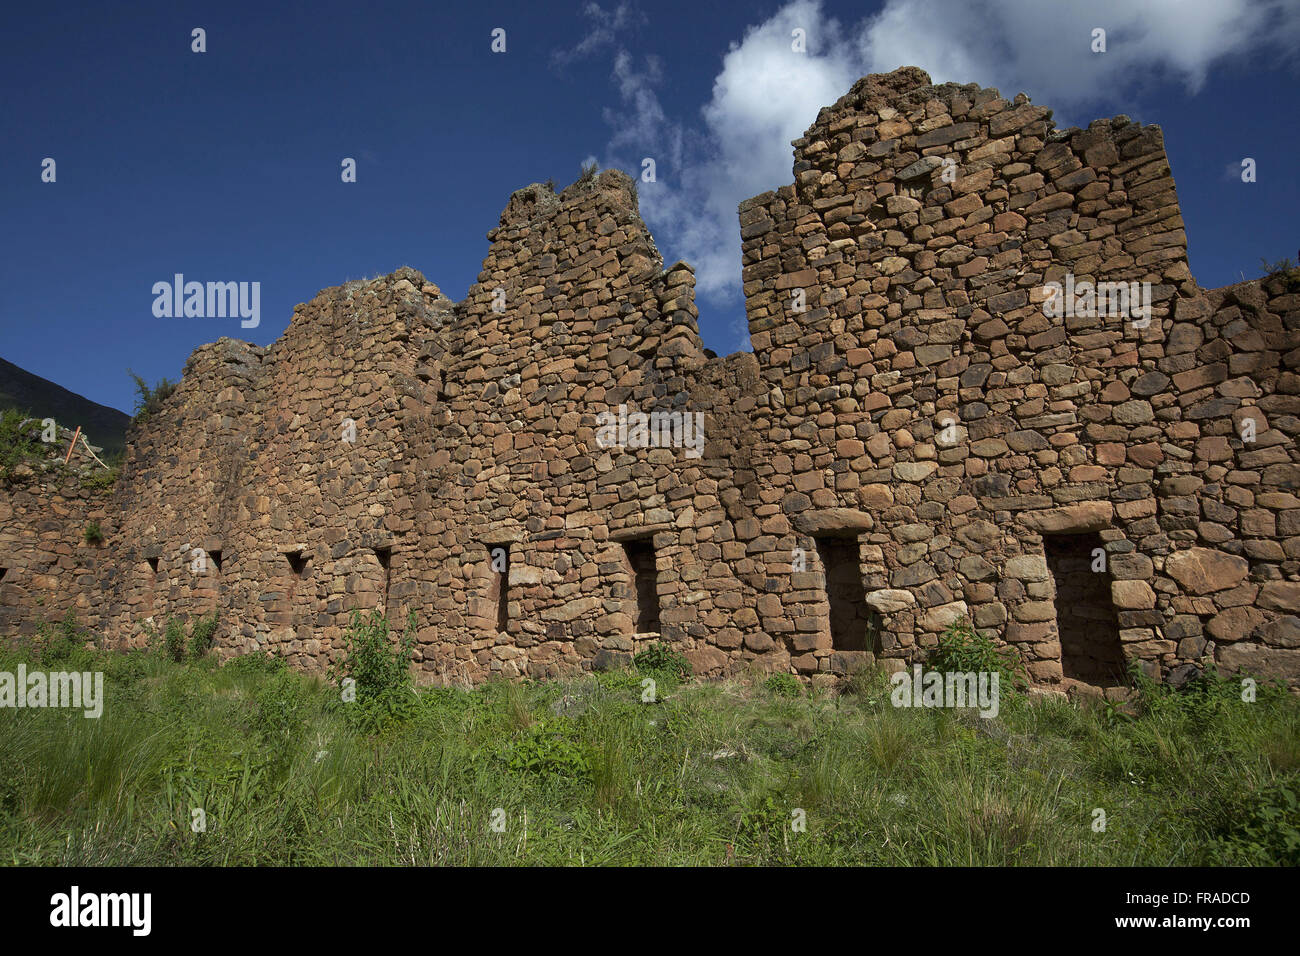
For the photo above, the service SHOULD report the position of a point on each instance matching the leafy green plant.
(169, 640)
(1264, 828)
(965, 649)
(548, 748)
(783, 685)
(92, 534)
(283, 706)
(659, 659)
(760, 819)
(1208, 695)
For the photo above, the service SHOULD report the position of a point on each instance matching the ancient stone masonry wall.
(924, 385)
(275, 485)
(47, 567)
(926, 429)
(588, 321)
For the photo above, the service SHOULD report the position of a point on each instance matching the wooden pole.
(68, 457)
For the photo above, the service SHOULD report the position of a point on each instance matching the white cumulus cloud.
(767, 93)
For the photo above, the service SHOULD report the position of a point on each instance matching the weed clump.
(149, 399)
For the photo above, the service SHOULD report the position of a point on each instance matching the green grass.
(586, 773)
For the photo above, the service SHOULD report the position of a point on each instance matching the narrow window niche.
(640, 554)
(214, 557)
(297, 562)
(499, 588)
(3, 572)
(385, 558)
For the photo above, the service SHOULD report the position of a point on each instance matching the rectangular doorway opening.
(1085, 614)
(854, 625)
(645, 584)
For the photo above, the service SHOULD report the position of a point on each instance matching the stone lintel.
(1071, 519)
(830, 521)
(502, 536)
(640, 531)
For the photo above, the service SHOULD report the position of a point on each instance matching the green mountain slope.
(103, 426)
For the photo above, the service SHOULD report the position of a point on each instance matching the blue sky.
(225, 165)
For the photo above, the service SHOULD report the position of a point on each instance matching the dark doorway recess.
(645, 576)
(854, 626)
(1085, 613)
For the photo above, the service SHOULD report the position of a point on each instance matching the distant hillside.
(104, 427)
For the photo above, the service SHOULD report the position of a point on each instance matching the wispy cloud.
(604, 27)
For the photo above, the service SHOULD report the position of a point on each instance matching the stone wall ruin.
(913, 411)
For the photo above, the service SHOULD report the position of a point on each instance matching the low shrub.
(100, 480)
